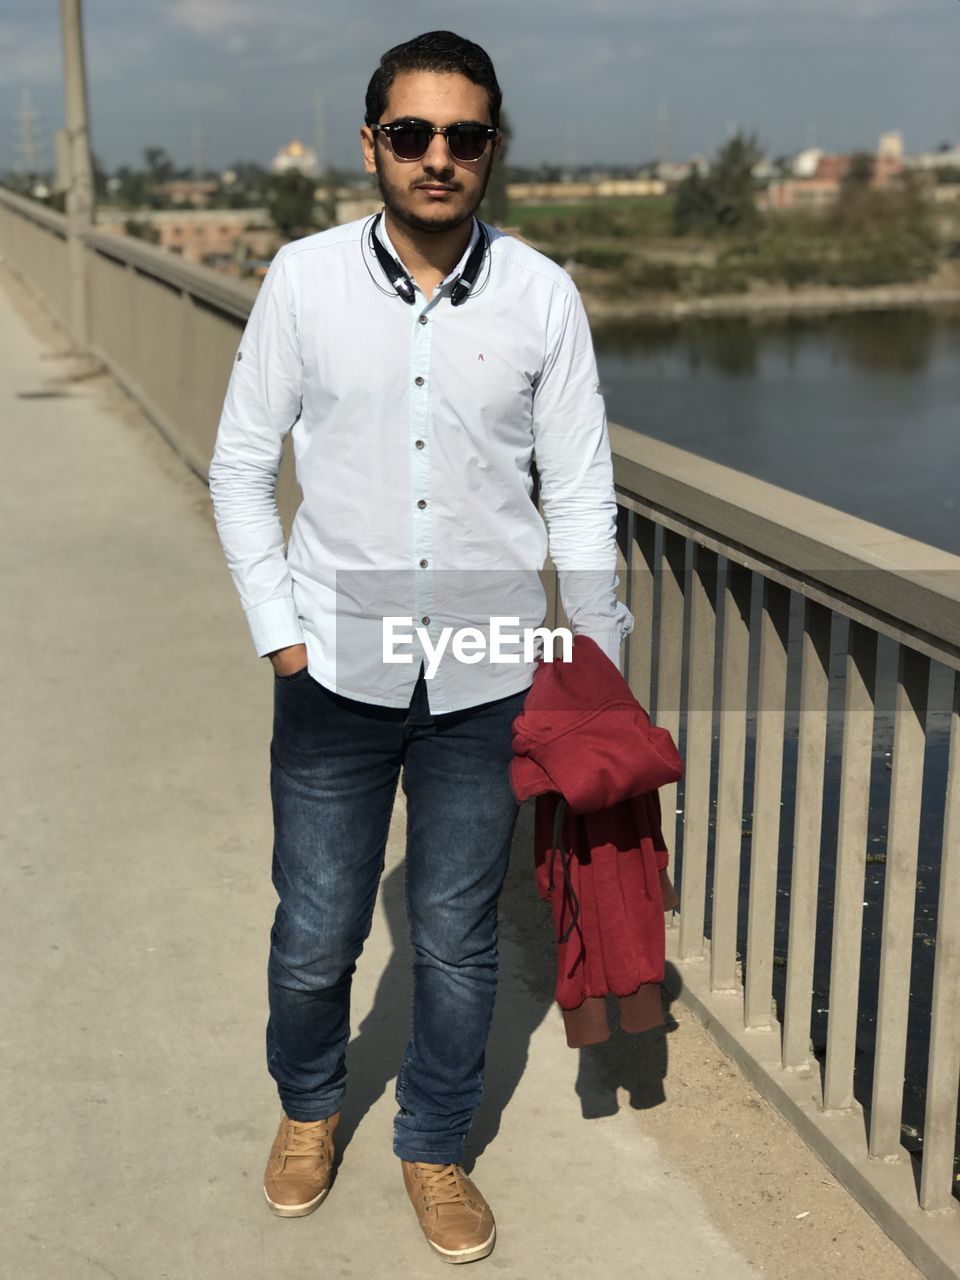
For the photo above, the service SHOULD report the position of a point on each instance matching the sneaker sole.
(466, 1255)
(295, 1210)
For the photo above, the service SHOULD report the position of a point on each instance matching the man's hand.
(287, 661)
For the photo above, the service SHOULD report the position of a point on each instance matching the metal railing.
(716, 566)
(741, 593)
(167, 330)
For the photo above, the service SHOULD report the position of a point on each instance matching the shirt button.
(418, 381)
(425, 620)
(419, 444)
(424, 563)
(423, 319)
(422, 503)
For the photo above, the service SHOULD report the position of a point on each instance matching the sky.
(584, 81)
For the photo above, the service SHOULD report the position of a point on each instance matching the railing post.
(670, 663)
(943, 1072)
(856, 759)
(808, 814)
(767, 788)
(699, 750)
(899, 897)
(640, 598)
(735, 657)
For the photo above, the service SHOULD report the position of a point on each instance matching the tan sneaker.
(454, 1216)
(300, 1165)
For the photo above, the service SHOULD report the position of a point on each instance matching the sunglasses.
(409, 139)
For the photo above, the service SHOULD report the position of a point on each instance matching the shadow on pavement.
(634, 1063)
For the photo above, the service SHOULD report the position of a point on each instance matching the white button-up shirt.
(414, 429)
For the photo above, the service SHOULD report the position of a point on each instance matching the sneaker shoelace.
(443, 1185)
(306, 1138)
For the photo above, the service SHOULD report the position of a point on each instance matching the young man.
(422, 361)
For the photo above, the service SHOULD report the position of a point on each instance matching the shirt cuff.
(275, 624)
(609, 636)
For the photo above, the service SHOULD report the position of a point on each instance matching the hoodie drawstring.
(565, 856)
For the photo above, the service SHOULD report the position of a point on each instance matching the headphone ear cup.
(391, 268)
(461, 290)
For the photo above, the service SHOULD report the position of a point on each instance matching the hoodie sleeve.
(572, 449)
(262, 403)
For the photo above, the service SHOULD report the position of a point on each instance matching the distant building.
(946, 158)
(563, 192)
(631, 187)
(818, 177)
(201, 235)
(549, 192)
(799, 193)
(673, 171)
(886, 166)
(890, 146)
(804, 163)
(188, 191)
(296, 156)
(832, 169)
(765, 170)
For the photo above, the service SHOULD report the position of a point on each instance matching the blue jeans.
(335, 763)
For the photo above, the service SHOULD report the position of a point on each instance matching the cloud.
(239, 42)
(247, 71)
(29, 56)
(280, 34)
(218, 17)
(684, 10)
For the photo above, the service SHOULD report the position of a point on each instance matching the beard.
(392, 196)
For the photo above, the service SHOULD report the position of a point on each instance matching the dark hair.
(433, 51)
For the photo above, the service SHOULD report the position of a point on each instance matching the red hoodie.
(585, 747)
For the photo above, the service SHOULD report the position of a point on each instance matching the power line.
(571, 147)
(663, 133)
(320, 135)
(28, 134)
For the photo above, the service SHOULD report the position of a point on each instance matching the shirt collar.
(449, 280)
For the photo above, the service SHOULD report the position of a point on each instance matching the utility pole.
(320, 137)
(571, 150)
(80, 190)
(663, 133)
(197, 154)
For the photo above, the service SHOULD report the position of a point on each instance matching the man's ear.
(368, 143)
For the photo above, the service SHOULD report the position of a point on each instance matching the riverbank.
(763, 300)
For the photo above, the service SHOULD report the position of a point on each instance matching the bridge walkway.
(137, 903)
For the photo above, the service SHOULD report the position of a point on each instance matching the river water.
(862, 412)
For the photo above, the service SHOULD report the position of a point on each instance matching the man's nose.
(437, 156)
